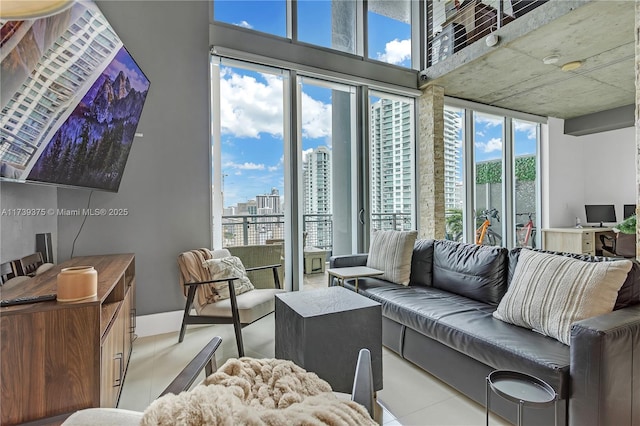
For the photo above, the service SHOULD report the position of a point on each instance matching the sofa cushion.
(548, 293)
(468, 326)
(391, 252)
(629, 293)
(422, 263)
(475, 271)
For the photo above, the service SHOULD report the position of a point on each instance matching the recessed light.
(551, 59)
(570, 66)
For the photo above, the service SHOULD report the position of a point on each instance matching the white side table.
(352, 272)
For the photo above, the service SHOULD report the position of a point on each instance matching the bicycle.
(484, 231)
(526, 233)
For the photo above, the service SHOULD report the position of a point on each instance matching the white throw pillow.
(230, 266)
(391, 252)
(549, 292)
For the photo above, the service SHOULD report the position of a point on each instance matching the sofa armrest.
(347, 260)
(605, 369)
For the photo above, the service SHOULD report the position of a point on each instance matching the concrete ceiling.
(512, 75)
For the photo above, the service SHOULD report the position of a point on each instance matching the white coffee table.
(352, 272)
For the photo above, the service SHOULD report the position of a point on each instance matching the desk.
(574, 240)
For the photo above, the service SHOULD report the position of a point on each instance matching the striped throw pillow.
(391, 252)
(550, 292)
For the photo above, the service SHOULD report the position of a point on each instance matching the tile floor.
(410, 395)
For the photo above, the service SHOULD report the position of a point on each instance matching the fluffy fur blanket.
(250, 391)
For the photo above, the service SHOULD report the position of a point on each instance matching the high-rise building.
(269, 203)
(452, 145)
(316, 175)
(390, 152)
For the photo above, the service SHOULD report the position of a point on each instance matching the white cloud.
(277, 166)
(529, 128)
(494, 144)
(479, 133)
(396, 51)
(488, 120)
(316, 117)
(243, 166)
(243, 24)
(249, 107)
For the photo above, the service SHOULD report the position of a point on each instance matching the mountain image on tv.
(91, 147)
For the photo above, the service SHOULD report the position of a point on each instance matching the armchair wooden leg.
(238, 329)
(187, 308)
(237, 326)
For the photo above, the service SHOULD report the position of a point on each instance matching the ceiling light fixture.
(573, 65)
(19, 10)
(551, 59)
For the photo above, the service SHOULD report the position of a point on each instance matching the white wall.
(166, 186)
(18, 225)
(578, 170)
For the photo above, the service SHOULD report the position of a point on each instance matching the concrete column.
(637, 70)
(430, 164)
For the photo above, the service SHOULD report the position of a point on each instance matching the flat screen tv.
(629, 210)
(71, 98)
(603, 213)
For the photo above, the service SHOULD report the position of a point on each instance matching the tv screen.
(600, 213)
(71, 98)
(629, 210)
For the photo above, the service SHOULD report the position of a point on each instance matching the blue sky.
(252, 103)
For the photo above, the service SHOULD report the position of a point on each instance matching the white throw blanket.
(250, 391)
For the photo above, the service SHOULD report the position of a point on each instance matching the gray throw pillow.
(391, 251)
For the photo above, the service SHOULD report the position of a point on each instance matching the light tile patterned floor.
(411, 396)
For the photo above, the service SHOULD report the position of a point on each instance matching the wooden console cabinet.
(56, 357)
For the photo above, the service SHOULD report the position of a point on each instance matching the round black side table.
(523, 389)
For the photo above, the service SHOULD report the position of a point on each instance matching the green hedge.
(491, 171)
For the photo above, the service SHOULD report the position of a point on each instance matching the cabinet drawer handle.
(120, 358)
(133, 320)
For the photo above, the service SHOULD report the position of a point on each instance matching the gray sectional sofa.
(442, 322)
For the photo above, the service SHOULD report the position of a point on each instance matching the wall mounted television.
(71, 98)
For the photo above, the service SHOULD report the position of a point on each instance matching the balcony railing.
(243, 230)
(460, 23)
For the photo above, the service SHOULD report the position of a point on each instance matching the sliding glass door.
(329, 168)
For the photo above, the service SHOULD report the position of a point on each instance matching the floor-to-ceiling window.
(248, 161)
(454, 172)
(299, 87)
(525, 183)
(491, 176)
(391, 167)
(487, 142)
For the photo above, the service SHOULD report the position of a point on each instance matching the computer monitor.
(629, 210)
(602, 213)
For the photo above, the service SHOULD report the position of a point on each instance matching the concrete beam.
(603, 121)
